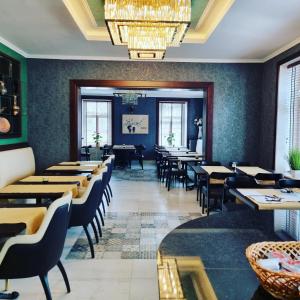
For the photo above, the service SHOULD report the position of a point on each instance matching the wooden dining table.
(37, 191)
(81, 163)
(252, 171)
(32, 217)
(268, 198)
(72, 169)
(82, 181)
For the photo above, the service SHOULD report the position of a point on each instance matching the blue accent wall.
(195, 110)
(144, 107)
(148, 107)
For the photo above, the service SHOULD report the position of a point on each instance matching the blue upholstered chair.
(84, 208)
(26, 256)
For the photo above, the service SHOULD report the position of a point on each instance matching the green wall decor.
(23, 138)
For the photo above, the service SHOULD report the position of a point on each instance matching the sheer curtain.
(173, 120)
(96, 117)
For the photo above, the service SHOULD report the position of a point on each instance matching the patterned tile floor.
(133, 235)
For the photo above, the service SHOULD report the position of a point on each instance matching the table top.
(31, 216)
(179, 151)
(252, 171)
(256, 198)
(176, 149)
(123, 147)
(211, 169)
(81, 168)
(81, 180)
(190, 159)
(78, 163)
(210, 254)
(21, 191)
(184, 154)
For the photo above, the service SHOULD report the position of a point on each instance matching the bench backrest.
(15, 165)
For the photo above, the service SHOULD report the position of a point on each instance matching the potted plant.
(294, 162)
(170, 138)
(97, 138)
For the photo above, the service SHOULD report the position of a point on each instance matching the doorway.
(148, 87)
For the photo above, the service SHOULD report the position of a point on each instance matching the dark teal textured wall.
(268, 107)
(236, 107)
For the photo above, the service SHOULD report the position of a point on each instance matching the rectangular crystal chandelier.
(147, 27)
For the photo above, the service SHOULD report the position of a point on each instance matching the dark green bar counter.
(210, 255)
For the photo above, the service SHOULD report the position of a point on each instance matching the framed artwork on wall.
(135, 124)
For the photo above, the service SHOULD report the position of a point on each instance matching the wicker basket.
(280, 284)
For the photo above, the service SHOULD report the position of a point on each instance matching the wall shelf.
(10, 97)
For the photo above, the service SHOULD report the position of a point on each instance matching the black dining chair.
(138, 154)
(213, 189)
(289, 183)
(107, 150)
(268, 178)
(27, 256)
(202, 179)
(174, 172)
(239, 181)
(85, 153)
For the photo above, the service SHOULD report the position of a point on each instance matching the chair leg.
(89, 240)
(98, 225)
(95, 231)
(203, 199)
(106, 198)
(64, 275)
(107, 193)
(101, 216)
(111, 194)
(45, 284)
(169, 182)
(103, 206)
(208, 204)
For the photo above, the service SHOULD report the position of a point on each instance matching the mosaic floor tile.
(133, 235)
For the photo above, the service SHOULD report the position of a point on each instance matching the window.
(173, 120)
(288, 113)
(96, 117)
(294, 106)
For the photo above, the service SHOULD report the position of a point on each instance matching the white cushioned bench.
(16, 164)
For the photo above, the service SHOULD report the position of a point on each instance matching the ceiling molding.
(282, 49)
(85, 20)
(109, 58)
(13, 47)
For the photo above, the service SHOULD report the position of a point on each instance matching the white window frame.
(184, 119)
(84, 121)
(288, 104)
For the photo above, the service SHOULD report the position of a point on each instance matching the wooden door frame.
(75, 108)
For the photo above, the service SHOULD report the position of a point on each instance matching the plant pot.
(97, 145)
(295, 173)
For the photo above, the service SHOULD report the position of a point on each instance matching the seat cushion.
(15, 165)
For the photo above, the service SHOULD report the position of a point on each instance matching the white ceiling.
(252, 31)
(157, 93)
